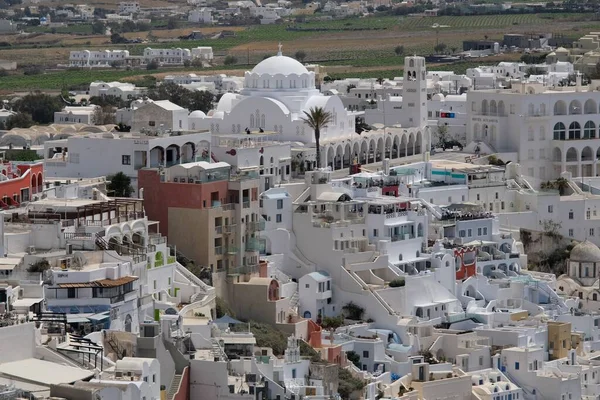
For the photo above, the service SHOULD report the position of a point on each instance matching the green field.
(366, 43)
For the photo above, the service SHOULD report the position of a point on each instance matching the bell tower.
(414, 96)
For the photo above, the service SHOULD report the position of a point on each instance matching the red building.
(23, 180)
(466, 257)
(210, 216)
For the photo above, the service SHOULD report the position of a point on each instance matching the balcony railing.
(157, 239)
(246, 204)
(232, 250)
(218, 250)
(405, 236)
(252, 245)
(255, 226)
(77, 235)
(245, 269)
(219, 230)
(229, 228)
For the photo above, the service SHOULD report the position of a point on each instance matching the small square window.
(278, 218)
(126, 159)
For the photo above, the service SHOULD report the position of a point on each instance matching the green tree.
(172, 23)
(119, 185)
(300, 55)
(380, 80)
(98, 28)
(442, 135)
(19, 120)
(170, 91)
(200, 100)
(440, 47)
(399, 50)
(350, 87)
(40, 106)
(152, 65)
(116, 38)
(230, 60)
(317, 118)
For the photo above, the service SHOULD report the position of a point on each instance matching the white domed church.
(583, 273)
(275, 94)
(279, 89)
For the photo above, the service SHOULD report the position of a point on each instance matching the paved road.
(441, 155)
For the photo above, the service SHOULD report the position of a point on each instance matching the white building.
(202, 15)
(76, 115)
(547, 130)
(279, 90)
(314, 292)
(123, 90)
(159, 116)
(97, 58)
(5, 114)
(107, 154)
(176, 56)
(128, 7)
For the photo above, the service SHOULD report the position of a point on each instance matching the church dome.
(586, 252)
(279, 64)
(197, 114)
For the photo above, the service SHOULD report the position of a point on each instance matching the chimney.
(386, 166)
(578, 82)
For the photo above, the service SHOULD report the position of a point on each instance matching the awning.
(77, 318)
(99, 317)
(8, 267)
(26, 303)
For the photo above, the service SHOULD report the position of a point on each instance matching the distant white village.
(440, 242)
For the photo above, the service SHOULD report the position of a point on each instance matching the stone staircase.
(174, 387)
(217, 350)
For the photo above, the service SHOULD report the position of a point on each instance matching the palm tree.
(317, 118)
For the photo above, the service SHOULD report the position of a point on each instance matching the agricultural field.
(366, 45)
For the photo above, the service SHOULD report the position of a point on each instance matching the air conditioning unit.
(65, 263)
(175, 180)
(31, 250)
(190, 180)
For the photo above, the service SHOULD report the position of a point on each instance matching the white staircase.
(174, 387)
(294, 300)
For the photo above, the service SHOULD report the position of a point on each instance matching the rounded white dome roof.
(197, 114)
(585, 251)
(279, 65)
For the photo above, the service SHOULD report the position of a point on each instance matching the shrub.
(399, 282)
(332, 322)
(348, 384)
(222, 308)
(354, 358)
(152, 65)
(230, 60)
(39, 266)
(353, 311)
(266, 336)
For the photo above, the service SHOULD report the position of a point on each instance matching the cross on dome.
(279, 53)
